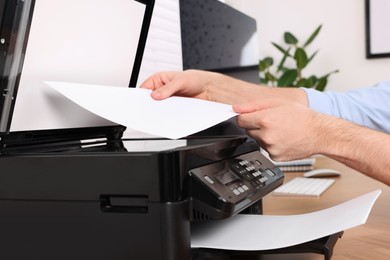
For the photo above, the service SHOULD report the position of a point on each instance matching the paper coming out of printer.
(172, 118)
(262, 232)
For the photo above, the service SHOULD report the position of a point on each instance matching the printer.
(79, 189)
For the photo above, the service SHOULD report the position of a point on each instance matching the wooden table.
(370, 241)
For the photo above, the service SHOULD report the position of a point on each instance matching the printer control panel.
(236, 182)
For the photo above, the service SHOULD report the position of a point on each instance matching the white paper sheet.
(153, 145)
(134, 108)
(260, 232)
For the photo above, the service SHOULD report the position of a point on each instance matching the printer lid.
(86, 41)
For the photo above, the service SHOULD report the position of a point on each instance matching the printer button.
(241, 190)
(208, 179)
(256, 173)
(248, 176)
(245, 187)
(237, 167)
(235, 191)
(270, 173)
(260, 181)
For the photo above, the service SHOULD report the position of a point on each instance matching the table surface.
(368, 241)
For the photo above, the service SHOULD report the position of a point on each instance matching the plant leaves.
(313, 36)
(300, 58)
(307, 82)
(289, 38)
(322, 82)
(330, 73)
(288, 78)
(291, 76)
(312, 56)
(302, 83)
(266, 63)
(280, 48)
(281, 64)
(312, 80)
(269, 61)
(263, 81)
(270, 77)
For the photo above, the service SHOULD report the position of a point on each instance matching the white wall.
(341, 41)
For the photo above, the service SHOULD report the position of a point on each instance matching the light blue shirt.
(369, 106)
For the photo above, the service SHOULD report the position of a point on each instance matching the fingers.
(162, 84)
(176, 86)
(163, 93)
(246, 108)
(250, 120)
(156, 80)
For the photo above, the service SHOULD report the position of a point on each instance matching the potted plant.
(286, 76)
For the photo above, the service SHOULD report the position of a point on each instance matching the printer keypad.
(236, 179)
(245, 169)
(236, 192)
(250, 173)
(259, 181)
(240, 189)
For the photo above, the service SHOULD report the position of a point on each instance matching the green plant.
(284, 76)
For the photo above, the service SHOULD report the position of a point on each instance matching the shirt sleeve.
(368, 106)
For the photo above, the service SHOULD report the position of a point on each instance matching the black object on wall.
(213, 35)
(377, 43)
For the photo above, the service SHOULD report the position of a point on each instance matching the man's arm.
(216, 87)
(363, 106)
(358, 147)
(288, 130)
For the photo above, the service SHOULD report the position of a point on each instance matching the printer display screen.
(80, 41)
(227, 177)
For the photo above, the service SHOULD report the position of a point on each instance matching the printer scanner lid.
(86, 41)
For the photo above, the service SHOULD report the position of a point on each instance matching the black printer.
(88, 193)
(66, 200)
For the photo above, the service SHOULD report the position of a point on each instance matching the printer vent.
(200, 216)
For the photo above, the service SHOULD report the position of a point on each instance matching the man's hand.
(190, 83)
(286, 129)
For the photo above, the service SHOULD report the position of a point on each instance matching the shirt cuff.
(319, 101)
